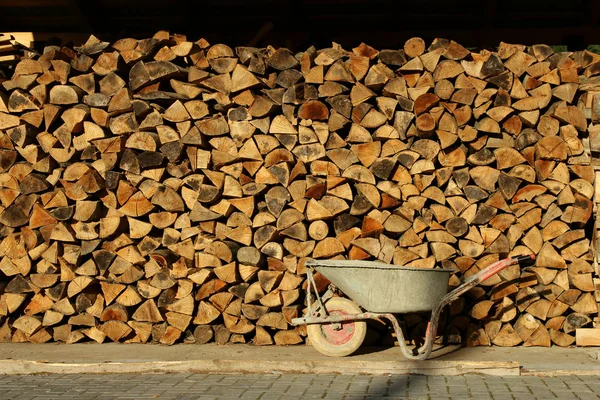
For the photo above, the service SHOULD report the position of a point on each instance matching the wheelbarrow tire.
(340, 343)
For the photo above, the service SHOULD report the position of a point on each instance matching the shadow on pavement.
(437, 352)
(398, 387)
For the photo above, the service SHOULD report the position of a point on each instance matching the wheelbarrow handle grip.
(490, 271)
(525, 260)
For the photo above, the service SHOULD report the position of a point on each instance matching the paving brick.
(289, 387)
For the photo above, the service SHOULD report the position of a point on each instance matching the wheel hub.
(340, 332)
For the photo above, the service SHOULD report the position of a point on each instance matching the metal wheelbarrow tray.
(336, 325)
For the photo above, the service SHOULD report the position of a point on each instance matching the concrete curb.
(27, 367)
(554, 373)
(114, 358)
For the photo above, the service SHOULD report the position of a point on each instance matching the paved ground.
(290, 387)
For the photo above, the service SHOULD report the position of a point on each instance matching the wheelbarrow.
(336, 325)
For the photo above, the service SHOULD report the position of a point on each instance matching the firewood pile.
(164, 190)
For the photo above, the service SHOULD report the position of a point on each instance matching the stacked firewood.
(164, 190)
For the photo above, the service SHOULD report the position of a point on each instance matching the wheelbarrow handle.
(486, 273)
(424, 352)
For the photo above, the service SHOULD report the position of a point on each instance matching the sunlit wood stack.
(164, 190)
(9, 50)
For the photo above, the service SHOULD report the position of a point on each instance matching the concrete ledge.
(114, 358)
(18, 367)
(547, 373)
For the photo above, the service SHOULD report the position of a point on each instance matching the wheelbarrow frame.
(317, 312)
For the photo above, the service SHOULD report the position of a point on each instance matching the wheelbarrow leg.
(425, 351)
(406, 351)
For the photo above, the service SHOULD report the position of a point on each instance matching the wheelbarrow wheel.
(338, 340)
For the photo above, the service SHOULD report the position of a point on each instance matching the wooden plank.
(29, 38)
(587, 337)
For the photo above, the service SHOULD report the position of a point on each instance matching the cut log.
(507, 337)
(560, 338)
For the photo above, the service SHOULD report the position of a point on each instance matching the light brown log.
(585, 304)
(273, 320)
(507, 337)
(540, 337)
(115, 330)
(560, 338)
(525, 326)
(481, 309)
